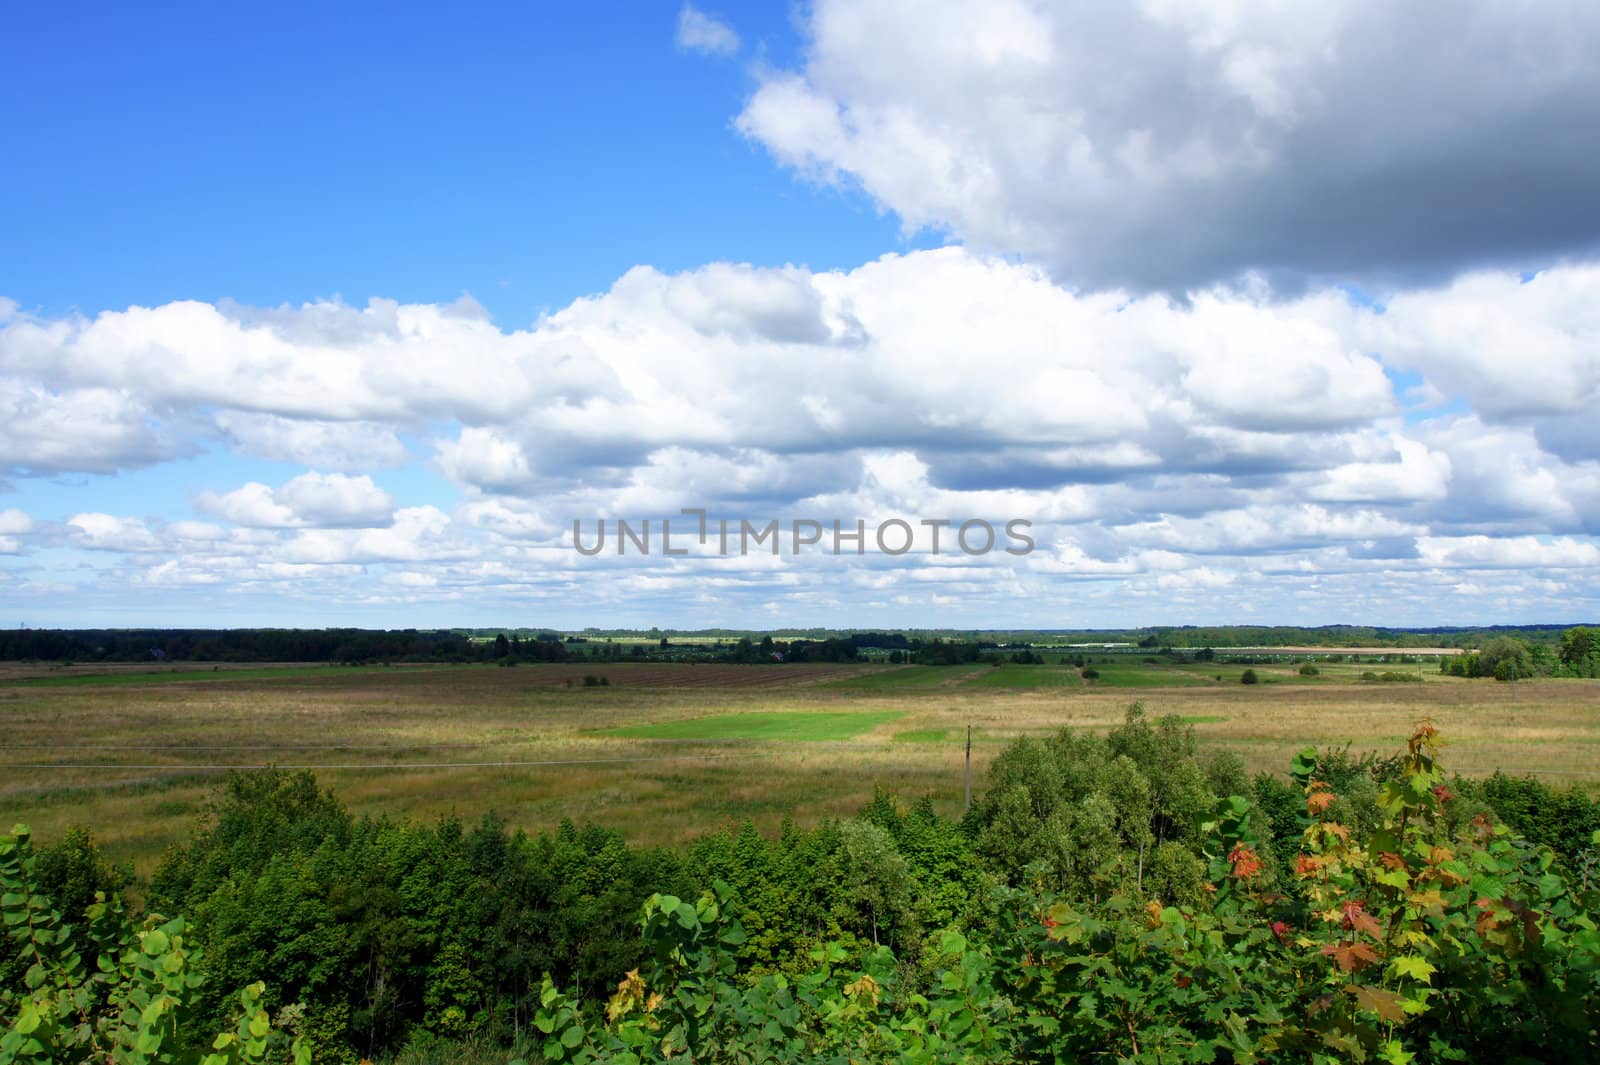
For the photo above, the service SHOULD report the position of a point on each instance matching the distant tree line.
(1575, 654)
(262, 645)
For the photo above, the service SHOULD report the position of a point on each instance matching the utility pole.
(968, 807)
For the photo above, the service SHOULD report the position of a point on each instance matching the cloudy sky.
(1259, 312)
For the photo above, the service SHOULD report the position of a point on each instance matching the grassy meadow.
(662, 750)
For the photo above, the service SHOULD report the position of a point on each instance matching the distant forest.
(524, 644)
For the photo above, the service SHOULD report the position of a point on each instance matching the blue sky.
(527, 155)
(344, 315)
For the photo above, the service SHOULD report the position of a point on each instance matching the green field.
(914, 678)
(797, 726)
(1028, 677)
(1139, 675)
(663, 750)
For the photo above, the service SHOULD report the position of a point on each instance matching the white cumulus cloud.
(705, 33)
(311, 499)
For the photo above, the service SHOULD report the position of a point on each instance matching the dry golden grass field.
(664, 751)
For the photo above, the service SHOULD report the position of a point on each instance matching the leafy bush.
(1249, 677)
(1413, 942)
(138, 1005)
(1565, 820)
(1309, 670)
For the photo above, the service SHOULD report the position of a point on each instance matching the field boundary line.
(190, 768)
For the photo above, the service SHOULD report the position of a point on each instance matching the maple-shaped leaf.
(1358, 919)
(1319, 801)
(1413, 966)
(1351, 957)
(1398, 879)
(1394, 1053)
(1385, 1004)
(1246, 863)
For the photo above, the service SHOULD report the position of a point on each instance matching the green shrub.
(1454, 944)
(1249, 677)
(137, 1007)
(1390, 676)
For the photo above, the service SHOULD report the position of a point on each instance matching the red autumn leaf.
(1356, 918)
(1280, 930)
(1530, 927)
(1319, 801)
(1245, 862)
(1351, 956)
(1443, 793)
(1391, 860)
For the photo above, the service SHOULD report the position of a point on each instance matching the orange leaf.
(1319, 801)
(1351, 956)
(1356, 918)
(1385, 1004)
(1245, 862)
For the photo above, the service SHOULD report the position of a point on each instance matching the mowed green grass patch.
(1140, 675)
(1014, 677)
(795, 726)
(895, 678)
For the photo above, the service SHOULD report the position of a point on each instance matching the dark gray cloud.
(1170, 146)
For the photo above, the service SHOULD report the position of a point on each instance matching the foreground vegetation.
(1118, 897)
